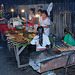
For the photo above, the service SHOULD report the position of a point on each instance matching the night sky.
(17, 1)
(12, 2)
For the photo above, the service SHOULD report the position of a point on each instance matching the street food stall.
(6, 25)
(41, 61)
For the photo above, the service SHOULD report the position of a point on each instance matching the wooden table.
(17, 51)
(12, 43)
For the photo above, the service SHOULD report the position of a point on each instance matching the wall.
(63, 16)
(18, 8)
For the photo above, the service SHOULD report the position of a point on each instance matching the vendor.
(69, 38)
(19, 20)
(18, 17)
(31, 16)
(41, 40)
(45, 22)
(11, 26)
(40, 15)
(40, 12)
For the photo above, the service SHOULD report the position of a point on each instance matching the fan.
(50, 8)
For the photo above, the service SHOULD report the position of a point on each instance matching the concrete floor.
(8, 65)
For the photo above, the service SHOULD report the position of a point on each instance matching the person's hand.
(36, 44)
(47, 46)
(15, 25)
(43, 26)
(62, 40)
(23, 18)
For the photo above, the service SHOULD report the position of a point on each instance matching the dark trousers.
(30, 48)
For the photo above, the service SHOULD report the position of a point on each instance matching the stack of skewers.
(63, 47)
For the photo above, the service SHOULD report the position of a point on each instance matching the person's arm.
(34, 40)
(66, 39)
(47, 46)
(38, 24)
(36, 44)
(47, 22)
(46, 26)
(47, 41)
(64, 42)
(30, 21)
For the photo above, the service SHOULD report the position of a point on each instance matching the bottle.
(30, 27)
(8, 23)
(54, 42)
(50, 73)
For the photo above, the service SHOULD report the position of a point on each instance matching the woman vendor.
(40, 12)
(45, 22)
(69, 38)
(40, 15)
(31, 19)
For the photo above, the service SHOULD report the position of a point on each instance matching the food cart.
(51, 59)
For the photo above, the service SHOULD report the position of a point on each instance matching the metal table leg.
(17, 53)
(8, 45)
(2, 37)
(68, 61)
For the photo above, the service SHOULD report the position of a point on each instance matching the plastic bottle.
(50, 73)
(8, 23)
(54, 42)
(30, 27)
(26, 27)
